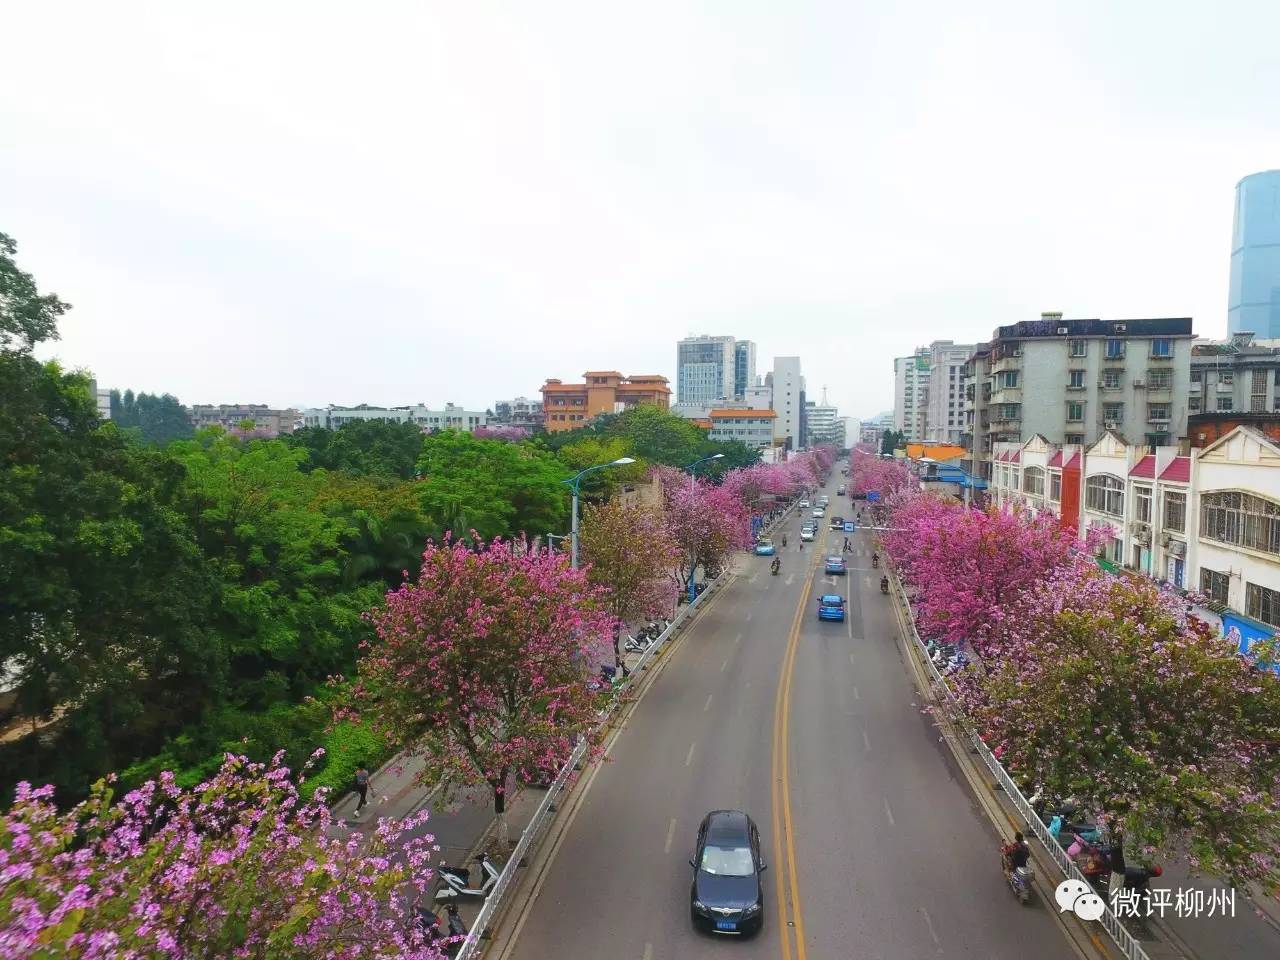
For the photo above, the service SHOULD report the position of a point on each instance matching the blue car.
(831, 607)
(764, 548)
(835, 565)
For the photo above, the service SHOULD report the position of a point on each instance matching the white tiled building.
(450, 418)
(753, 428)
(1208, 521)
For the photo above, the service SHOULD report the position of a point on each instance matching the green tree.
(27, 317)
(891, 440)
(376, 448)
(157, 420)
(588, 451)
(490, 486)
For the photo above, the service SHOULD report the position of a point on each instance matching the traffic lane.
(896, 859)
(700, 739)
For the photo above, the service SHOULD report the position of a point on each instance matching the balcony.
(1011, 362)
(1196, 386)
(1006, 395)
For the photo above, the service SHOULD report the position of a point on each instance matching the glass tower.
(1253, 303)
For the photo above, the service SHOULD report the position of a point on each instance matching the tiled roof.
(1074, 461)
(1146, 467)
(1015, 457)
(1178, 470)
(1056, 459)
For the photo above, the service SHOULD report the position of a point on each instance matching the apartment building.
(823, 423)
(1207, 520)
(706, 369)
(787, 385)
(754, 428)
(267, 421)
(452, 417)
(944, 391)
(910, 386)
(975, 436)
(1238, 375)
(520, 412)
(569, 405)
(1070, 381)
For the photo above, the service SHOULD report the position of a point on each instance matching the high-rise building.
(944, 391)
(788, 402)
(910, 383)
(1253, 302)
(822, 422)
(706, 369)
(1070, 381)
(744, 367)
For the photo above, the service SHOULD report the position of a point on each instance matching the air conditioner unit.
(1111, 424)
(1139, 383)
(1159, 428)
(1062, 331)
(1120, 328)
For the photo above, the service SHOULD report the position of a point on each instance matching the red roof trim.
(1056, 459)
(1146, 468)
(1178, 470)
(1074, 461)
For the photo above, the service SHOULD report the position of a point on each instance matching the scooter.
(456, 880)
(884, 585)
(875, 560)
(1019, 879)
(774, 567)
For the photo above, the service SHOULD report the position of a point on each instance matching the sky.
(308, 203)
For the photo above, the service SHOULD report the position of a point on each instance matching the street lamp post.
(575, 484)
(693, 568)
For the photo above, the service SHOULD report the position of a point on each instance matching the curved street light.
(575, 484)
(714, 456)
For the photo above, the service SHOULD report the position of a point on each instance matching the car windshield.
(833, 601)
(834, 560)
(727, 861)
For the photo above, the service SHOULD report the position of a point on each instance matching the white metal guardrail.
(1127, 943)
(547, 808)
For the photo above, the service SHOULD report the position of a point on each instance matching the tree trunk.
(500, 810)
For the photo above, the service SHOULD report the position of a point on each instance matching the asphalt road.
(875, 848)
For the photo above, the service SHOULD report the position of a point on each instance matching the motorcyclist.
(875, 559)
(777, 564)
(1017, 853)
(784, 539)
(884, 584)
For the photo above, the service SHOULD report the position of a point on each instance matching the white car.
(804, 504)
(818, 511)
(806, 533)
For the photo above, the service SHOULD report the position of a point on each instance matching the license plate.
(726, 924)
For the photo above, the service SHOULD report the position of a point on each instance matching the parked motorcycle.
(457, 880)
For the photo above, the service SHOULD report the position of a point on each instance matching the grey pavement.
(893, 858)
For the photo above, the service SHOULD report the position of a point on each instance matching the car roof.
(835, 560)
(832, 598)
(727, 825)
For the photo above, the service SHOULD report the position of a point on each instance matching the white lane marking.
(928, 922)
(671, 832)
(851, 660)
(748, 614)
(848, 622)
(866, 741)
(707, 706)
(724, 665)
(648, 952)
(753, 578)
(856, 695)
(791, 578)
(738, 638)
(689, 759)
(892, 822)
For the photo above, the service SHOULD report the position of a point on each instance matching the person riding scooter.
(1016, 853)
(776, 565)
(884, 584)
(784, 539)
(875, 560)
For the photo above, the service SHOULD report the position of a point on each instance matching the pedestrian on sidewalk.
(362, 787)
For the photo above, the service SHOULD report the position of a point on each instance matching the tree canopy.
(371, 448)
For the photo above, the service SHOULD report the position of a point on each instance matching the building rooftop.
(1144, 468)
(1178, 470)
(1050, 327)
(743, 412)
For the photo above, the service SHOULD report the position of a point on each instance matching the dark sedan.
(726, 895)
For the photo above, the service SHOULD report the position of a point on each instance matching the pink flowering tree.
(707, 522)
(967, 566)
(501, 432)
(874, 475)
(483, 667)
(1103, 689)
(628, 550)
(239, 866)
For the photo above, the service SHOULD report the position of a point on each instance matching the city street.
(873, 844)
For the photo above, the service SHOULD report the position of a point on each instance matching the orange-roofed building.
(754, 428)
(941, 452)
(570, 405)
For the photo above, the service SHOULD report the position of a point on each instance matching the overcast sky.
(310, 203)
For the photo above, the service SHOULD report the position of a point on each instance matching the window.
(1104, 493)
(1214, 585)
(1113, 411)
(1008, 411)
(1007, 378)
(1157, 412)
(1075, 379)
(1079, 348)
(1075, 412)
(1142, 504)
(1175, 512)
(1055, 486)
(1262, 603)
(1076, 438)
(1160, 379)
(1193, 404)
(1197, 376)
(1259, 380)
(1257, 404)
(1224, 403)
(1033, 481)
(1115, 349)
(1112, 378)
(1227, 376)
(1162, 347)
(1014, 479)
(1241, 519)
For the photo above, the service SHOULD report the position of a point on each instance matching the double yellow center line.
(790, 917)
